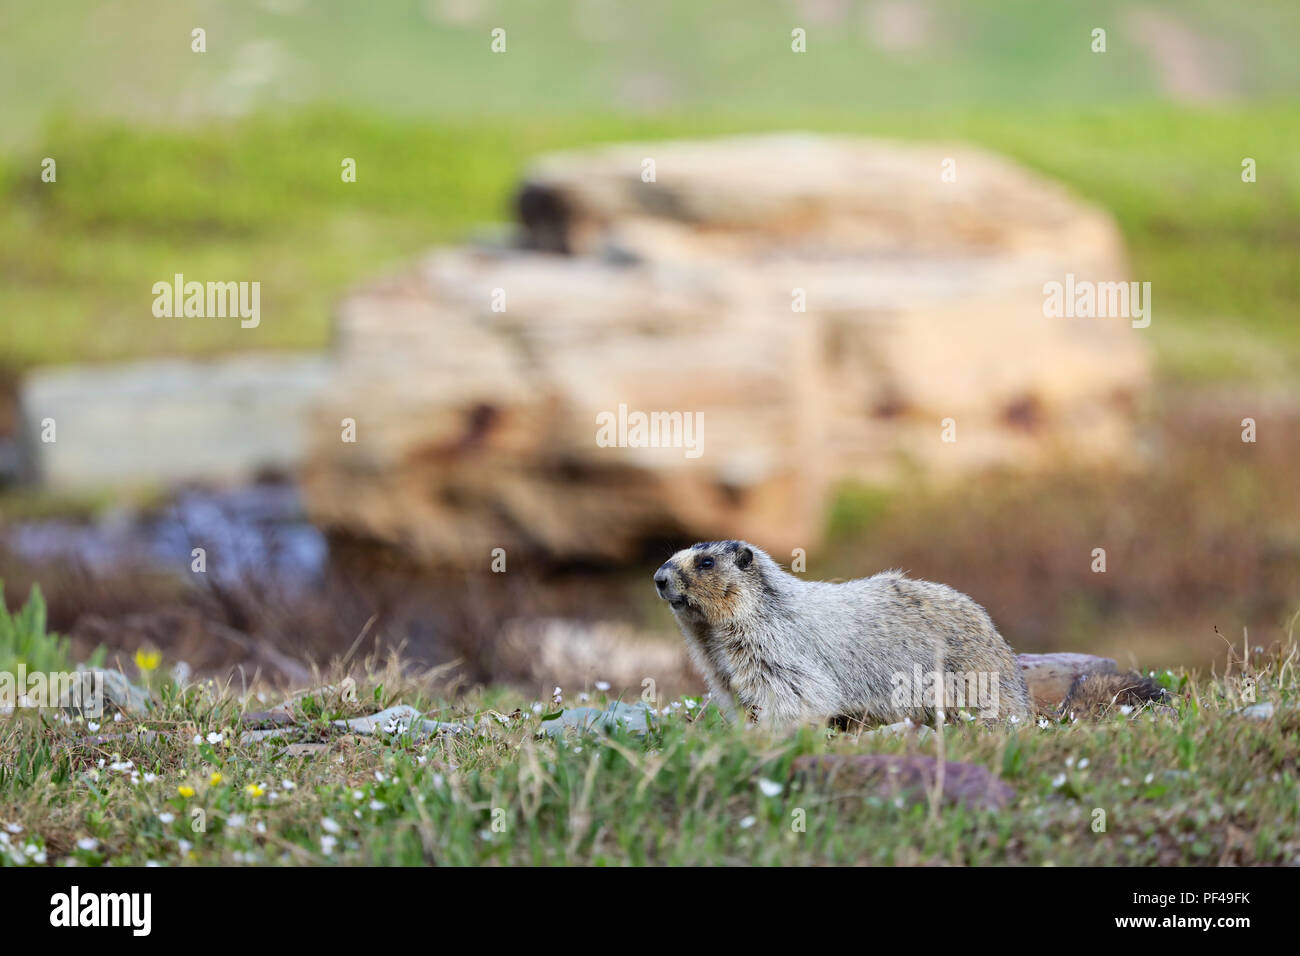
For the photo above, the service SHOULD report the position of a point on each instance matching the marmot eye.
(706, 562)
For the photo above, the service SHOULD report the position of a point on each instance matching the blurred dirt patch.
(1191, 67)
(897, 26)
(1204, 532)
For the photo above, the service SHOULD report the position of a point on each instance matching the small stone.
(1260, 711)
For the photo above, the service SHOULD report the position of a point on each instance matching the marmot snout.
(875, 650)
(708, 581)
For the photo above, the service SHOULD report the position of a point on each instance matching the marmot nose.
(661, 578)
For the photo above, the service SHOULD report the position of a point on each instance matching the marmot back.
(781, 650)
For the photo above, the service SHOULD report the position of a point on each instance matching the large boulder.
(798, 311)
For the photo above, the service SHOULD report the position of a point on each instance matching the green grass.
(1207, 786)
(262, 199)
(133, 60)
(225, 163)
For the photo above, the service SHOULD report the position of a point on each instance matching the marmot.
(783, 650)
(1098, 695)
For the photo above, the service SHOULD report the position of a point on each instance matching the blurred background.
(225, 165)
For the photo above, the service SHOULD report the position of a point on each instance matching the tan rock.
(479, 429)
(804, 197)
(477, 379)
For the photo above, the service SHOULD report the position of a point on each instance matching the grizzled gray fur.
(781, 650)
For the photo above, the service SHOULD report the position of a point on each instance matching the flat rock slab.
(167, 420)
(816, 194)
(635, 718)
(907, 777)
(399, 719)
(1049, 676)
(396, 720)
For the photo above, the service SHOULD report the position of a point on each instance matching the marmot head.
(714, 580)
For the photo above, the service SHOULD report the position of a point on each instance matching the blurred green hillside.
(261, 197)
(431, 59)
(226, 163)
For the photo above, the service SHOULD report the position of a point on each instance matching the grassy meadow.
(1202, 785)
(227, 164)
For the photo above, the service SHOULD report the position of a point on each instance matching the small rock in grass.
(1260, 711)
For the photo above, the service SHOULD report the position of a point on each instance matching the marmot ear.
(744, 558)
